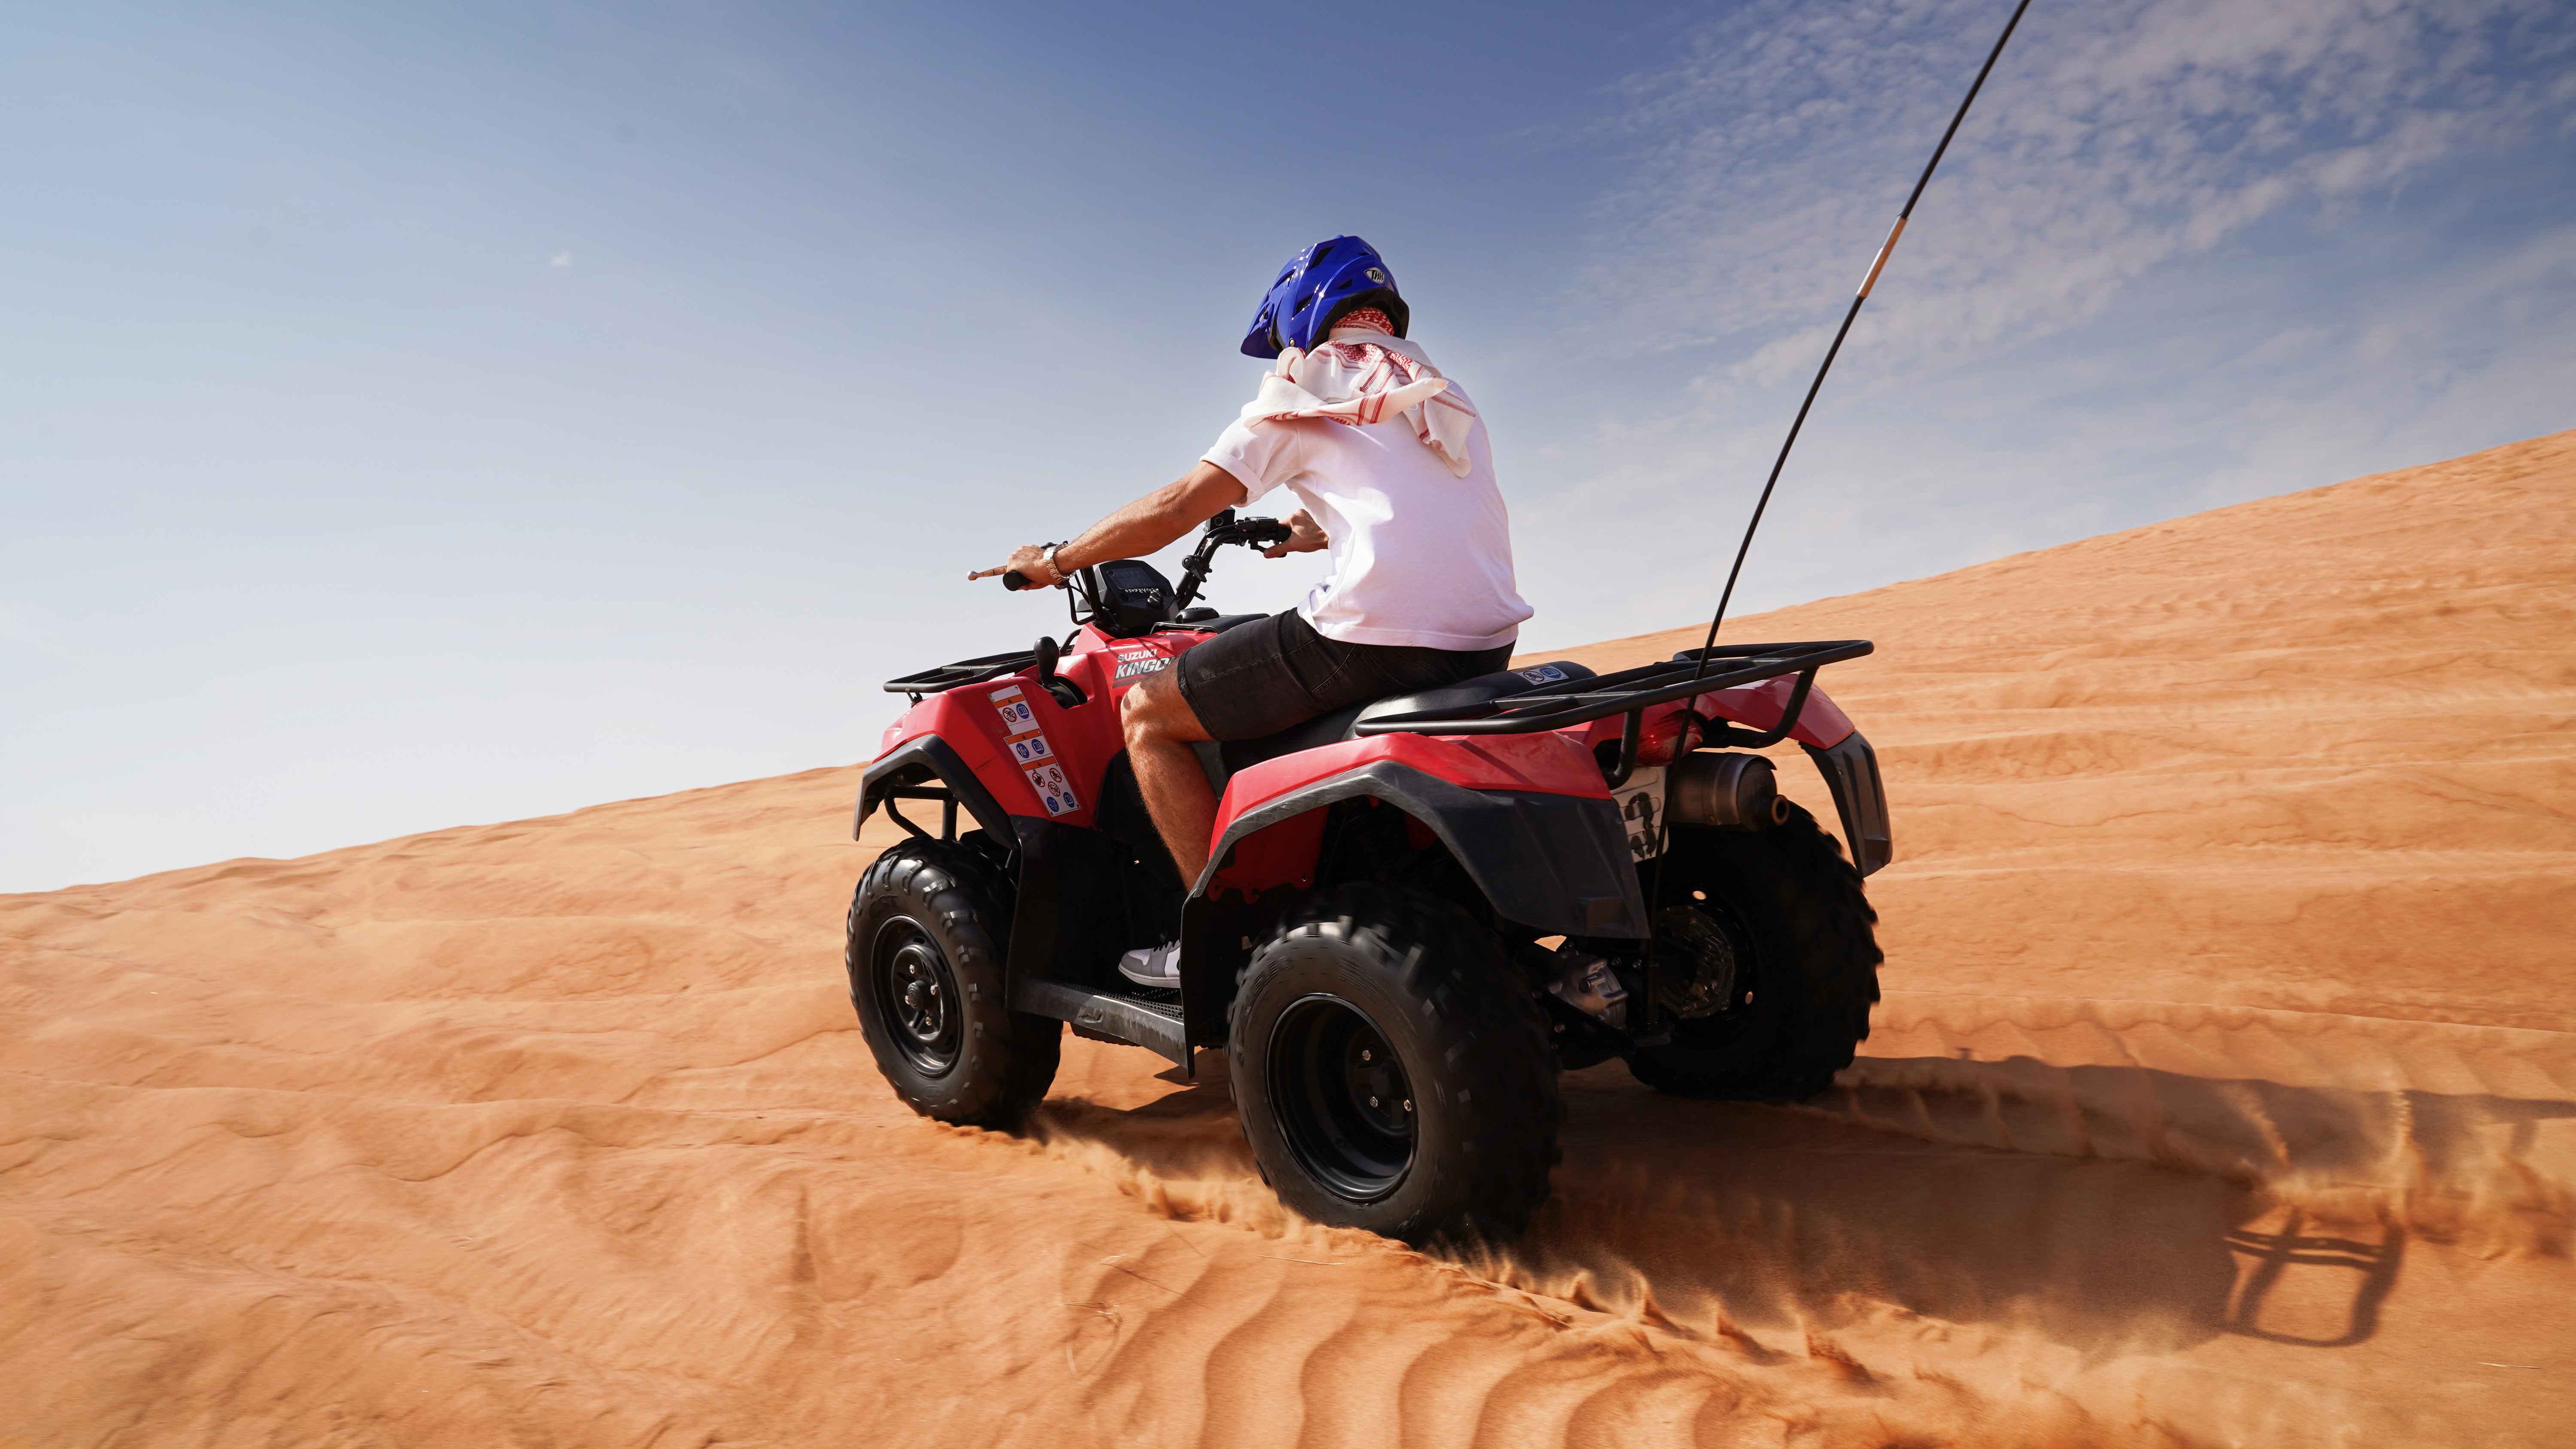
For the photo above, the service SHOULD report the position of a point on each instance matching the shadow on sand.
(2108, 1209)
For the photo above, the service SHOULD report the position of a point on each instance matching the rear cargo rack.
(963, 672)
(1632, 691)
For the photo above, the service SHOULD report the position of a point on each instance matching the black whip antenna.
(1875, 267)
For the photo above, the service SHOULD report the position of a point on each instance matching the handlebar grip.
(1015, 580)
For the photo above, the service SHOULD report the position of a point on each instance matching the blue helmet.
(1317, 286)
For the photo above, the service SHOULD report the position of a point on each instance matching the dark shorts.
(1258, 679)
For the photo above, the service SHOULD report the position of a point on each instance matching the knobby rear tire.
(925, 915)
(1472, 1058)
(1814, 972)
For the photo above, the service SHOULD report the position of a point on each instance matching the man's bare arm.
(1150, 523)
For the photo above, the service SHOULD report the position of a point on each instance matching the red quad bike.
(1418, 911)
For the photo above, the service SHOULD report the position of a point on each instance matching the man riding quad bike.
(1400, 884)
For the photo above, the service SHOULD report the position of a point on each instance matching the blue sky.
(420, 415)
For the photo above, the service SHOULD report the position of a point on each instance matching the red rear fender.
(1821, 722)
(1549, 764)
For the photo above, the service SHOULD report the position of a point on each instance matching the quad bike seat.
(1341, 724)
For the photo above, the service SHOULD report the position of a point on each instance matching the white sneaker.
(1153, 966)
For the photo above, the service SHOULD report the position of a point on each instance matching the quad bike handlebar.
(1223, 529)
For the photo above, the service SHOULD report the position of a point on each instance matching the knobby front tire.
(925, 965)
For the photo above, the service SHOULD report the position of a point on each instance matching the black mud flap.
(1851, 770)
(1067, 931)
(1068, 922)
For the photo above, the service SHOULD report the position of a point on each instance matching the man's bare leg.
(1160, 728)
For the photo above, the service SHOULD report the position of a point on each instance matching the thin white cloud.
(2113, 139)
(2092, 323)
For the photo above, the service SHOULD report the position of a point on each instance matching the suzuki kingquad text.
(1417, 911)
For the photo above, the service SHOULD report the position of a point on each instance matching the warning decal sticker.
(1030, 750)
(1017, 717)
(1054, 791)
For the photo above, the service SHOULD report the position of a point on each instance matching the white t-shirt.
(1420, 556)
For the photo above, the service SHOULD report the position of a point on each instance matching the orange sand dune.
(2223, 1094)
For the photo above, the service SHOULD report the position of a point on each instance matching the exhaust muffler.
(1727, 791)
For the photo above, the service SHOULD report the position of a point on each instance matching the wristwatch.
(1052, 566)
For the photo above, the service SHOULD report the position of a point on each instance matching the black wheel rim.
(1343, 1100)
(1716, 957)
(917, 996)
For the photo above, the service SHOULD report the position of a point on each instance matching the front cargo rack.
(1632, 691)
(961, 673)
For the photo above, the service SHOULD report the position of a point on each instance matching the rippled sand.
(2222, 1094)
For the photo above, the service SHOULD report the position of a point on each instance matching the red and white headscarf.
(1354, 380)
